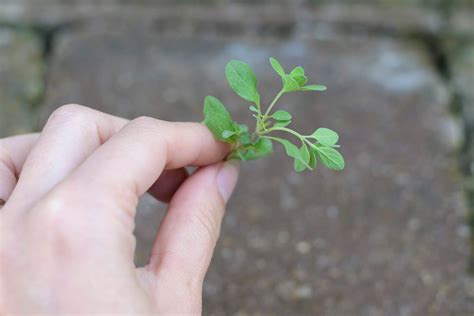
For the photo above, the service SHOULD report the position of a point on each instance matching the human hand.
(66, 230)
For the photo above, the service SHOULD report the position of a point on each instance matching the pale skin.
(71, 193)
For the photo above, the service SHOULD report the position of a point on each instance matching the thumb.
(188, 234)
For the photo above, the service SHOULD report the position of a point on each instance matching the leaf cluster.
(320, 146)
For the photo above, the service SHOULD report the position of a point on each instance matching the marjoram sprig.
(320, 145)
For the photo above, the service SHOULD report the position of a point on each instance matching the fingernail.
(227, 178)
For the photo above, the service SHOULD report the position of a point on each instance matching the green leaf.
(282, 123)
(277, 67)
(253, 109)
(242, 80)
(290, 84)
(326, 136)
(281, 115)
(298, 75)
(298, 71)
(292, 151)
(313, 87)
(330, 157)
(227, 134)
(264, 145)
(261, 148)
(240, 128)
(237, 154)
(244, 138)
(217, 118)
(312, 158)
(305, 156)
(301, 80)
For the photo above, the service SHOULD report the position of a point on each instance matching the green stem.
(259, 107)
(271, 137)
(287, 130)
(283, 129)
(273, 103)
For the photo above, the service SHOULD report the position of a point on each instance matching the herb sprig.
(320, 145)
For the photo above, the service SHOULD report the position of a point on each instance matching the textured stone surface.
(462, 22)
(277, 17)
(21, 79)
(384, 237)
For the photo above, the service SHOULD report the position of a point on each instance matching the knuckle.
(68, 113)
(146, 122)
(54, 218)
(51, 209)
(76, 118)
(70, 109)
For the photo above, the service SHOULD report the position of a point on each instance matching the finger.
(187, 237)
(107, 185)
(127, 165)
(71, 134)
(13, 152)
(167, 184)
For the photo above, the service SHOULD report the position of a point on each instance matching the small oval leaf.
(277, 67)
(314, 87)
(292, 151)
(326, 136)
(281, 115)
(261, 148)
(228, 134)
(305, 156)
(330, 158)
(242, 80)
(253, 109)
(217, 118)
(282, 123)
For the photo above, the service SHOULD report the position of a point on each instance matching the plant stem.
(270, 137)
(258, 107)
(273, 103)
(284, 129)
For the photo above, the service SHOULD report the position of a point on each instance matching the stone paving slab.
(246, 17)
(462, 23)
(21, 79)
(384, 237)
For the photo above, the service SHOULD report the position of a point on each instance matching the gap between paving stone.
(461, 74)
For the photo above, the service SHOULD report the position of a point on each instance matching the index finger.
(130, 162)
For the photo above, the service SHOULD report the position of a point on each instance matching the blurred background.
(389, 235)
